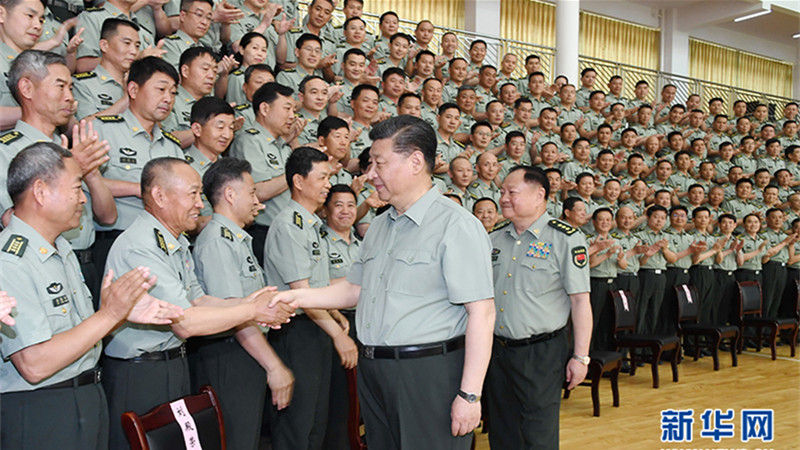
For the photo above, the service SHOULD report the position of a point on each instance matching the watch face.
(472, 398)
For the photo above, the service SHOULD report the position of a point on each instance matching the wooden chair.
(750, 316)
(602, 362)
(354, 421)
(688, 315)
(625, 336)
(160, 428)
(791, 324)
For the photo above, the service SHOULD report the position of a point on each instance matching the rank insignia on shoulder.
(460, 144)
(171, 137)
(96, 8)
(10, 137)
(579, 256)
(84, 75)
(226, 233)
(298, 220)
(323, 233)
(241, 107)
(252, 131)
(16, 245)
(475, 185)
(189, 158)
(173, 37)
(380, 61)
(296, 30)
(110, 119)
(237, 72)
(162, 244)
(562, 227)
(289, 70)
(500, 226)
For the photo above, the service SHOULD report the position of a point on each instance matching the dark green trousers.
(524, 394)
(67, 418)
(648, 304)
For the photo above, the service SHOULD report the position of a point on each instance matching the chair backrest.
(188, 422)
(624, 311)
(797, 300)
(688, 303)
(749, 298)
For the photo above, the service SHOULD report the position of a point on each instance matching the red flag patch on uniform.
(579, 257)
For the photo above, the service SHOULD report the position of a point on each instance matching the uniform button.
(509, 275)
(389, 252)
(501, 327)
(518, 242)
(380, 276)
(135, 128)
(501, 309)
(63, 310)
(127, 167)
(505, 292)
(367, 325)
(513, 258)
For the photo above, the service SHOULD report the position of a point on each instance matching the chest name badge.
(539, 250)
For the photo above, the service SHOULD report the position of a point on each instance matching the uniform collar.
(185, 37)
(307, 217)
(136, 126)
(36, 242)
(335, 237)
(535, 229)
(7, 52)
(238, 233)
(171, 243)
(198, 156)
(184, 95)
(104, 75)
(35, 134)
(416, 213)
(269, 136)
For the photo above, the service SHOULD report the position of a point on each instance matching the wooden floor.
(757, 383)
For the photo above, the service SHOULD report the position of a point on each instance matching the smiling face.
(486, 212)
(181, 201)
(64, 197)
(315, 95)
(340, 212)
(22, 25)
(216, 134)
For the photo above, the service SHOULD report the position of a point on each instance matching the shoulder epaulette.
(380, 61)
(562, 227)
(84, 75)
(242, 107)
(501, 159)
(341, 45)
(473, 195)
(96, 8)
(252, 131)
(616, 235)
(296, 30)
(505, 124)
(173, 37)
(501, 225)
(323, 233)
(336, 27)
(225, 233)
(238, 72)
(289, 70)
(110, 119)
(298, 220)
(162, 244)
(298, 115)
(460, 144)
(16, 245)
(475, 185)
(171, 137)
(10, 137)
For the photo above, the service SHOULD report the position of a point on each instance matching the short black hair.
(257, 68)
(351, 52)
(329, 124)
(40, 160)
(484, 199)
(156, 170)
(339, 188)
(301, 162)
(361, 88)
(449, 105)
(655, 208)
(405, 96)
(305, 37)
(514, 134)
(476, 42)
(143, 69)
(112, 24)
(306, 80)
(408, 134)
(190, 54)
(207, 108)
(534, 175)
(401, 35)
(392, 71)
(269, 92)
(220, 174)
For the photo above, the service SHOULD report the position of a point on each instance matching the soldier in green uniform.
(20, 32)
(252, 52)
(212, 126)
(258, 16)
(355, 37)
(91, 20)
(294, 259)
(364, 102)
(681, 248)
(652, 268)
(146, 365)
(388, 24)
(235, 362)
(741, 205)
(266, 148)
(50, 384)
(255, 76)
(484, 186)
(101, 91)
(753, 248)
(541, 277)
(333, 137)
(701, 274)
(198, 69)
(308, 56)
(603, 267)
(353, 68)
(314, 100)
(316, 23)
(627, 279)
(725, 299)
(774, 261)
(135, 138)
(195, 20)
(412, 334)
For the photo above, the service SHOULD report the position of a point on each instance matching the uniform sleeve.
(245, 148)
(91, 36)
(575, 265)
(32, 326)
(169, 286)
(217, 271)
(86, 106)
(466, 262)
(288, 252)
(171, 122)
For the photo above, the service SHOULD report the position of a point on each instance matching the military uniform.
(180, 117)
(627, 279)
(247, 24)
(234, 93)
(246, 111)
(425, 244)
(770, 163)
(293, 77)
(341, 177)
(480, 189)
(201, 163)
(429, 114)
(91, 20)
(293, 252)
(582, 97)
(146, 365)
(309, 133)
(175, 45)
(717, 139)
(677, 274)
(725, 299)
(535, 273)
(362, 142)
(387, 105)
(571, 115)
(652, 279)
(602, 281)
(51, 299)
(701, 276)
(751, 269)
(343, 104)
(95, 91)
(449, 92)
(220, 361)
(328, 45)
(775, 272)
(366, 191)
(7, 55)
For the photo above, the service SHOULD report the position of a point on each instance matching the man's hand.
(157, 51)
(75, 41)
(6, 304)
(87, 148)
(464, 416)
(226, 64)
(118, 297)
(227, 13)
(273, 316)
(340, 319)
(152, 311)
(576, 373)
(347, 350)
(281, 383)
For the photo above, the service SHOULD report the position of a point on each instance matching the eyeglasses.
(200, 15)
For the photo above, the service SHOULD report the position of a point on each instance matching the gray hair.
(42, 160)
(31, 64)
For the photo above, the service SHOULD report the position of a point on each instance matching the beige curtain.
(443, 13)
(528, 21)
(740, 69)
(618, 41)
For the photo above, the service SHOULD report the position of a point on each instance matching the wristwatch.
(469, 397)
(585, 360)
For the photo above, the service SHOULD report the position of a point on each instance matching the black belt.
(411, 351)
(626, 274)
(166, 355)
(91, 376)
(603, 279)
(536, 338)
(84, 256)
(110, 234)
(655, 271)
